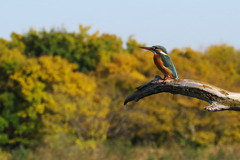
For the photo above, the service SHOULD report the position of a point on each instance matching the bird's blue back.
(169, 64)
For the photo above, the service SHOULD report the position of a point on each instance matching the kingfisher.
(163, 61)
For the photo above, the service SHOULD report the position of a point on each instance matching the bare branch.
(218, 98)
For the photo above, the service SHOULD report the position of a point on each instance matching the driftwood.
(218, 98)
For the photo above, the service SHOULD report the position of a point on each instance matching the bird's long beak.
(147, 48)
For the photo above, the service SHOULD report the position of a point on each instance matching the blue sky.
(172, 23)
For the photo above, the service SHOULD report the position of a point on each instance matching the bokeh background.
(67, 66)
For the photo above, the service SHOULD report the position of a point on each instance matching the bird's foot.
(165, 79)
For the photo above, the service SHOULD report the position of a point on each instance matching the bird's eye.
(154, 47)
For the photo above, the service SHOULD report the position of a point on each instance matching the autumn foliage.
(56, 84)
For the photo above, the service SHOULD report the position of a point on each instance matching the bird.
(163, 62)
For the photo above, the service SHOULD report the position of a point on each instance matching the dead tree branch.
(218, 98)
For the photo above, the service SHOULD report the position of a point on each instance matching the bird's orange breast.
(159, 63)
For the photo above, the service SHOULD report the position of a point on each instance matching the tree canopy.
(65, 83)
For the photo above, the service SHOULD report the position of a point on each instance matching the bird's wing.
(169, 64)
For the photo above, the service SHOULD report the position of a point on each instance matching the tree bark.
(218, 98)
